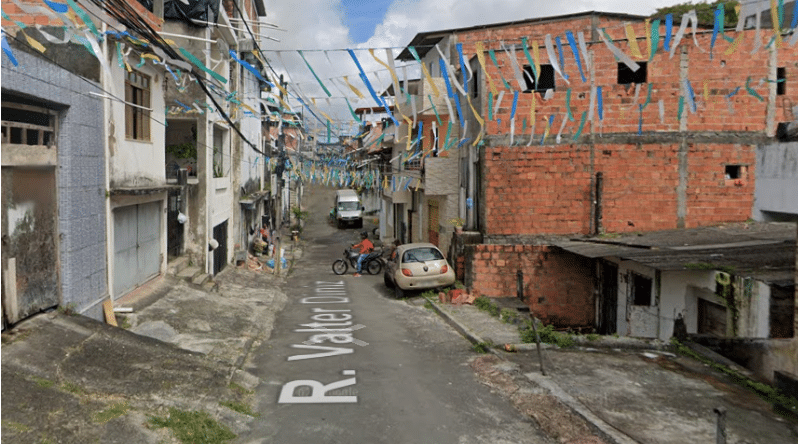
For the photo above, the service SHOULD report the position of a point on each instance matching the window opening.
(641, 290)
(734, 171)
(544, 82)
(23, 125)
(137, 114)
(781, 81)
(626, 76)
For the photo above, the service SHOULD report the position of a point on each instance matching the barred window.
(137, 108)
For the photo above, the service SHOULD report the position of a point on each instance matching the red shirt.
(365, 246)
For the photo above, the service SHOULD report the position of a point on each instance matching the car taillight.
(407, 272)
(444, 269)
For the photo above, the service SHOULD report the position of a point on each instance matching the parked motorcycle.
(372, 264)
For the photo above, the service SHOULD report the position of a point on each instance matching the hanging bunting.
(653, 42)
(736, 43)
(246, 65)
(631, 38)
(751, 90)
(648, 38)
(464, 66)
(326, 91)
(552, 57)
(353, 88)
(568, 104)
(490, 106)
(451, 93)
(572, 43)
(531, 62)
(498, 104)
(492, 54)
(201, 66)
(688, 90)
(561, 55)
(583, 47)
(600, 103)
(716, 28)
(7, 50)
(549, 123)
(450, 72)
(687, 19)
(481, 58)
(581, 126)
(519, 78)
(668, 30)
(777, 17)
(625, 59)
(479, 119)
(427, 75)
(85, 17)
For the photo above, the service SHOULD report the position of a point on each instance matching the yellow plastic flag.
(481, 57)
(632, 39)
(536, 58)
(352, 87)
(479, 119)
(774, 17)
(735, 44)
(35, 44)
(648, 39)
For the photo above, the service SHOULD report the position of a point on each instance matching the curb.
(603, 429)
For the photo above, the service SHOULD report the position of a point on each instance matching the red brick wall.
(558, 285)
(16, 13)
(546, 189)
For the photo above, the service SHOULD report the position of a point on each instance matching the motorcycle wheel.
(339, 267)
(374, 267)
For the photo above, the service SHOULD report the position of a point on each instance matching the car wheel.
(374, 267)
(387, 280)
(339, 267)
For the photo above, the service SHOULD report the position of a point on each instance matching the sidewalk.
(621, 390)
(68, 378)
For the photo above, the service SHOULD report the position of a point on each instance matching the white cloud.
(313, 25)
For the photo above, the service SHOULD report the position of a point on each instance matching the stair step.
(177, 265)
(201, 279)
(189, 272)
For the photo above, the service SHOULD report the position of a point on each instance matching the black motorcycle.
(372, 264)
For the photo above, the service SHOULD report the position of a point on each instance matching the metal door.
(136, 246)
(29, 251)
(433, 223)
(608, 316)
(220, 253)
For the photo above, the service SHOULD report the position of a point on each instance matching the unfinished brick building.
(635, 128)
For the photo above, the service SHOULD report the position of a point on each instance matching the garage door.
(137, 244)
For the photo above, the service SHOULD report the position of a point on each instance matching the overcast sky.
(337, 25)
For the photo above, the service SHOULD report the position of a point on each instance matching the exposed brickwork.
(18, 14)
(557, 285)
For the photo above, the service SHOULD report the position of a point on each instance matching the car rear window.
(422, 255)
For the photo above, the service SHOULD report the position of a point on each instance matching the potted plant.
(457, 223)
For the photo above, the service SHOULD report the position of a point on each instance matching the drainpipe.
(598, 203)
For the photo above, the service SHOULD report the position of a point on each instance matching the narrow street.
(400, 375)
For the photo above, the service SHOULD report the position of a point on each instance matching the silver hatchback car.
(417, 266)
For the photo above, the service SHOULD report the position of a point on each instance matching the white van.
(348, 210)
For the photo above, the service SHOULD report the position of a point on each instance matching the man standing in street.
(365, 246)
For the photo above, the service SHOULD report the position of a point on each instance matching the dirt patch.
(555, 419)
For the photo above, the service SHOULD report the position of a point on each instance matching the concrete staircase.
(195, 276)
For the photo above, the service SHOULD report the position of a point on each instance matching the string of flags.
(567, 54)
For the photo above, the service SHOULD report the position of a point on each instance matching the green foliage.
(298, 213)
(508, 316)
(193, 427)
(43, 383)
(110, 413)
(704, 11)
(485, 304)
(186, 150)
(548, 335)
(72, 388)
(780, 401)
(239, 407)
(482, 347)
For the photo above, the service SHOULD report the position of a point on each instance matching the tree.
(704, 11)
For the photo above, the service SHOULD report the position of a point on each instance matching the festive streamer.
(519, 78)
(661, 105)
(572, 42)
(326, 91)
(640, 121)
(353, 88)
(490, 106)
(364, 78)
(751, 90)
(625, 59)
(351, 111)
(681, 109)
(427, 75)
(653, 43)
(558, 139)
(7, 50)
(777, 17)
(568, 104)
(481, 58)
(512, 117)
(479, 119)
(449, 72)
(548, 128)
(498, 103)
(529, 59)
(246, 65)
(492, 54)
(631, 38)
(717, 27)
(690, 17)
(600, 103)
(561, 55)
(648, 39)
(201, 66)
(736, 43)
(552, 58)
(533, 119)
(581, 126)
(85, 17)
(668, 30)
(688, 88)
(465, 66)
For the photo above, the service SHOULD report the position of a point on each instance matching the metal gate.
(137, 243)
(220, 253)
(29, 249)
(174, 242)
(608, 316)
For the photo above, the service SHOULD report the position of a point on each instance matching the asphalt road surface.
(348, 363)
